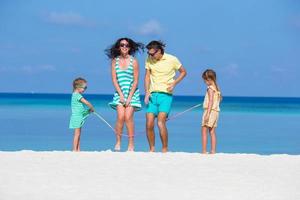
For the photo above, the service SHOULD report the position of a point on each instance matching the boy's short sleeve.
(78, 96)
(177, 64)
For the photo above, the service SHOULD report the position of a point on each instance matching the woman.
(125, 74)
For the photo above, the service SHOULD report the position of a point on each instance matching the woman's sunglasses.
(124, 45)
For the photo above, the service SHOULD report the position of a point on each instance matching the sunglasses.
(83, 87)
(124, 45)
(152, 54)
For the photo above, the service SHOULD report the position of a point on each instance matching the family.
(159, 82)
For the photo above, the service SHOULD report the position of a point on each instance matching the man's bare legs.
(150, 131)
(163, 131)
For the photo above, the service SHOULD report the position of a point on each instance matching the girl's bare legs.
(212, 132)
(76, 140)
(119, 126)
(129, 111)
(204, 139)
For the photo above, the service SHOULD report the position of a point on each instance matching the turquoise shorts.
(159, 102)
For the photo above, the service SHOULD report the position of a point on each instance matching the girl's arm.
(114, 80)
(83, 100)
(210, 102)
(135, 80)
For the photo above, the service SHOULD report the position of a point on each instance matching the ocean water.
(258, 125)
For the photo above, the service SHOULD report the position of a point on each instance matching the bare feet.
(118, 147)
(213, 152)
(164, 150)
(152, 149)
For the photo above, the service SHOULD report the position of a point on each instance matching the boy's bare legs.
(119, 126)
(76, 140)
(129, 111)
(212, 132)
(204, 139)
(150, 131)
(163, 131)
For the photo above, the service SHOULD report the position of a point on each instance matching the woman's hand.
(122, 99)
(128, 101)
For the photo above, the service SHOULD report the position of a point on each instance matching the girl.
(211, 109)
(79, 112)
(125, 75)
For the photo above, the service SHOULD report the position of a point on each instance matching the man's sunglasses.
(152, 54)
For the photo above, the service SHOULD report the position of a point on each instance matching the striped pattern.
(125, 80)
(79, 113)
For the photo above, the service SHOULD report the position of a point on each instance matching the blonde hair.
(78, 82)
(210, 74)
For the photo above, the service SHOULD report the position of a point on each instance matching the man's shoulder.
(170, 56)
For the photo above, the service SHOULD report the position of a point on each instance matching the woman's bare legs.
(119, 126)
(129, 111)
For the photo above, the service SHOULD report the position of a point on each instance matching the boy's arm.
(83, 100)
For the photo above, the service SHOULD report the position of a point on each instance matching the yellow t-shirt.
(162, 72)
(216, 99)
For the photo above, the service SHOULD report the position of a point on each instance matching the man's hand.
(171, 87)
(147, 96)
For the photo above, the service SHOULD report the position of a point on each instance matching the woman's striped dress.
(125, 80)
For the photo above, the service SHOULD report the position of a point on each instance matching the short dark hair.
(78, 82)
(156, 44)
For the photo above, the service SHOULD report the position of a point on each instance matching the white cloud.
(68, 18)
(29, 68)
(151, 27)
(231, 70)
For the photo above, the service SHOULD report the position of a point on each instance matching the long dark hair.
(114, 50)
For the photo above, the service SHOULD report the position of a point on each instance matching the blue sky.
(254, 45)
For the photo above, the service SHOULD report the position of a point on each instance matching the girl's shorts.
(213, 119)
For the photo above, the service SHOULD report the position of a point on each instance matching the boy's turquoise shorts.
(159, 102)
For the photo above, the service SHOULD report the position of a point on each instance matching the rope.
(168, 119)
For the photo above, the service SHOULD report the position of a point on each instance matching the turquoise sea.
(261, 125)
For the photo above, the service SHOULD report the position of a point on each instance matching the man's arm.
(182, 74)
(147, 86)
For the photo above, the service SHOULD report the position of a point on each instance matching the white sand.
(108, 175)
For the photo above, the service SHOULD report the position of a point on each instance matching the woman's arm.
(135, 81)
(114, 80)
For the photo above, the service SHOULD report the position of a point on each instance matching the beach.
(141, 175)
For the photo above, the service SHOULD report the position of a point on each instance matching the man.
(159, 85)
